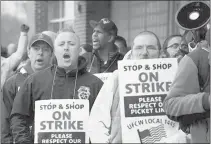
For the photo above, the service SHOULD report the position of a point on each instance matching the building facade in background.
(131, 17)
(13, 15)
(41, 16)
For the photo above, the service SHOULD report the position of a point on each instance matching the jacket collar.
(128, 55)
(112, 52)
(27, 68)
(82, 65)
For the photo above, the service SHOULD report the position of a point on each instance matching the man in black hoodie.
(56, 82)
(40, 52)
(105, 51)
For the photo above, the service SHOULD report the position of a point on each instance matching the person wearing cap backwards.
(105, 52)
(105, 119)
(62, 81)
(39, 52)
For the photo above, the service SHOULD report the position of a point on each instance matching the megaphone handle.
(185, 34)
(196, 36)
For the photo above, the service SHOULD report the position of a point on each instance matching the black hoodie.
(50, 83)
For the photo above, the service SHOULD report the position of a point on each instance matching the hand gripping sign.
(143, 85)
(61, 121)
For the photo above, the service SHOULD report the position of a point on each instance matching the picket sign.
(61, 121)
(103, 76)
(143, 85)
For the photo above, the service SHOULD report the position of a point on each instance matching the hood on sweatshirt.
(128, 55)
(81, 69)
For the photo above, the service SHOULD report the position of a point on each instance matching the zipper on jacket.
(66, 85)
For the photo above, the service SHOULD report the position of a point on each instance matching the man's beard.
(142, 57)
(179, 55)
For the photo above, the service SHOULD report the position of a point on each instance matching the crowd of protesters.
(55, 65)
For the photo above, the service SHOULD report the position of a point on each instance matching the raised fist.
(24, 28)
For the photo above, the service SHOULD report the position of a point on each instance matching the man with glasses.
(40, 52)
(175, 46)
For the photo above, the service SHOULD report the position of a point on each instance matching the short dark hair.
(164, 53)
(121, 39)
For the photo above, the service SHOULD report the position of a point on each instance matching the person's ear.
(80, 50)
(53, 59)
(112, 38)
(52, 53)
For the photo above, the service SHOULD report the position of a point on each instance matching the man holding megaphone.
(188, 100)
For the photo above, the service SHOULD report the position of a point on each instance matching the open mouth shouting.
(66, 57)
(95, 41)
(39, 61)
